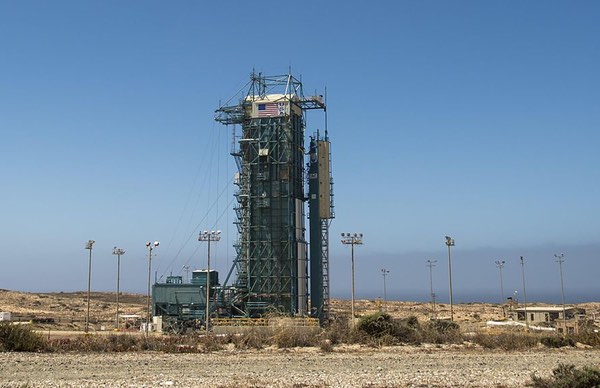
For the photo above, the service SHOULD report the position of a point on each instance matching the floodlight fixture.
(431, 264)
(560, 259)
(450, 243)
(118, 252)
(208, 237)
(89, 246)
(500, 265)
(384, 273)
(524, 292)
(352, 240)
(150, 247)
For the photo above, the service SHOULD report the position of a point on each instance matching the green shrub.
(19, 338)
(408, 331)
(568, 376)
(380, 329)
(557, 341)
(377, 325)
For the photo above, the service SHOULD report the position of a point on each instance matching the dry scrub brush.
(19, 338)
(380, 329)
(252, 339)
(568, 376)
(291, 337)
(376, 330)
(506, 341)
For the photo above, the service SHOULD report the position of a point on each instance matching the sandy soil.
(68, 310)
(306, 367)
(346, 366)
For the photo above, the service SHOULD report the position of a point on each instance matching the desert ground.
(68, 310)
(300, 367)
(462, 365)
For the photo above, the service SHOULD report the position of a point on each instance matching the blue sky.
(474, 119)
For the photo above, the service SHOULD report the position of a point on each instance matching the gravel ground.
(306, 367)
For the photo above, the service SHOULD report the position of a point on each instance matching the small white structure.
(157, 322)
(143, 326)
(5, 316)
(129, 321)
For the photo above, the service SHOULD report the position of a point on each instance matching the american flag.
(268, 109)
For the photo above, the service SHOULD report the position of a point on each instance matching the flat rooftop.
(548, 309)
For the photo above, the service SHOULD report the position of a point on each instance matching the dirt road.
(305, 367)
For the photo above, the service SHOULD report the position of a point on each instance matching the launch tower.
(272, 263)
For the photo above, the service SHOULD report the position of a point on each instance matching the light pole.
(431, 264)
(352, 240)
(524, 292)
(560, 258)
(450, 243)
(150, 247)
(384, 273)
(208, 237)
(88, 246)
(500, 265)
(186, 269)
(118, 252)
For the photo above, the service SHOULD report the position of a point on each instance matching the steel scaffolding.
(271, 253)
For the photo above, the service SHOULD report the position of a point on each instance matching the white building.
(549, 314)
